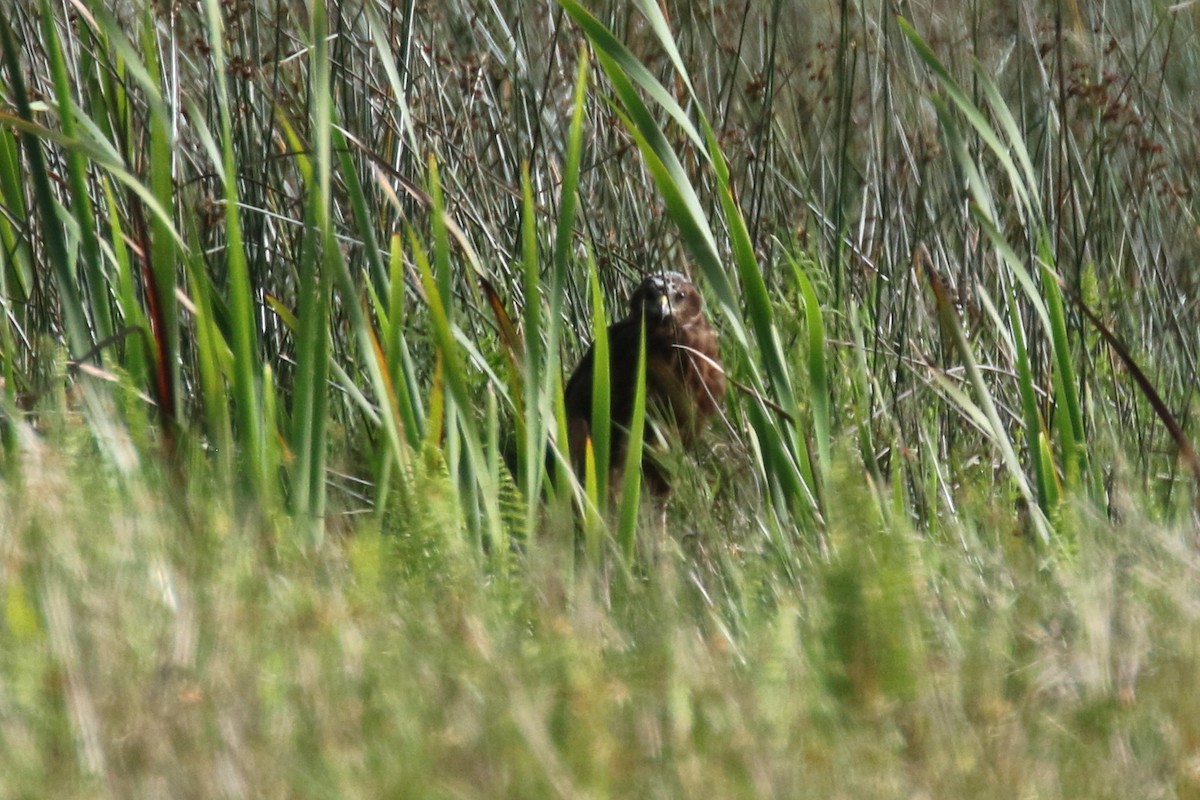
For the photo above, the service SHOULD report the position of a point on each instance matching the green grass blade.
(1029, 408)
(532, 424)
(137, 352)
(565, 483)
(1052, 489)
(310, 394)
(212, 353)
(81, 202)
(163, 306)
(383, 50)
(309, 389)
(627, 64)
(631, 481)
(1066, 391)
(17, 277)
(601, 422)
(79, 334)
(568, 200)
(443, 275)
(551, 401)
(247, 372)
(399, 358)
(818, 379)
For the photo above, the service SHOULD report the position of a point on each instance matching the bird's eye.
(679, 295)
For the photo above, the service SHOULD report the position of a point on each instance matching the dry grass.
(264, 541)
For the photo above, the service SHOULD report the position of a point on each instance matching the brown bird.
(685, 383)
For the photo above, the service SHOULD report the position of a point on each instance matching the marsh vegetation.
(290, 293)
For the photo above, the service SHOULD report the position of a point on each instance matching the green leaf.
(631, 483)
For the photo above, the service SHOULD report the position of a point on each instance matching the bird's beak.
(664, 306)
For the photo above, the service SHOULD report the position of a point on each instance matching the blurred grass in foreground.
(150, 647)
(289, 296)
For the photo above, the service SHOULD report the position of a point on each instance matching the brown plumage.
(684, 380)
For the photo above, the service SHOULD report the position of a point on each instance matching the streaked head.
(663, 296)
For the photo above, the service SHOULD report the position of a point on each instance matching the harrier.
(685, 383)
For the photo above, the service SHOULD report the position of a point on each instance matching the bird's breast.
(684, 381)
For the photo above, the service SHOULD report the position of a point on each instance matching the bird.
(685, 382)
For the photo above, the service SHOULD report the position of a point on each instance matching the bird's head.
(666, 297)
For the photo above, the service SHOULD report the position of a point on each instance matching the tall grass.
(311, 278)
(149, 647)
(317, 159)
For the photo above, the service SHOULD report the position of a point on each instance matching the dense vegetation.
(289, 291)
